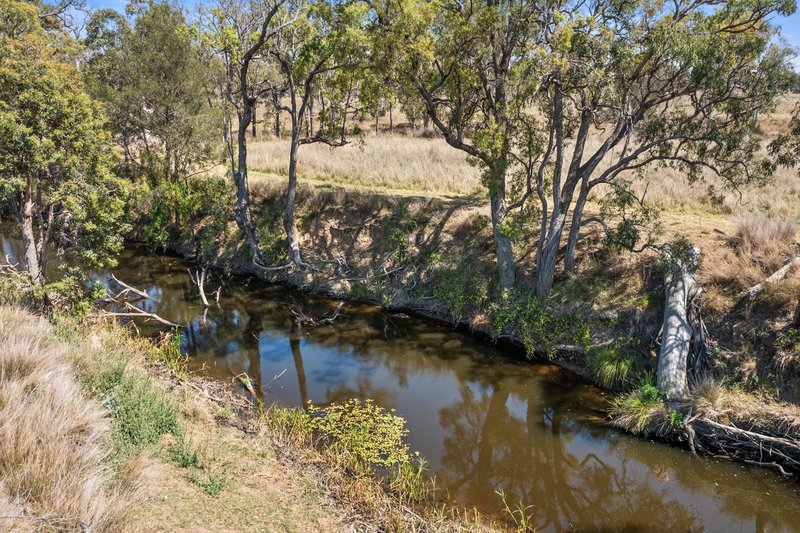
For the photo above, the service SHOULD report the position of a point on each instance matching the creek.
(481, 415)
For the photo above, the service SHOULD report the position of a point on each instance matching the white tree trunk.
(676, 334)
(29, 240)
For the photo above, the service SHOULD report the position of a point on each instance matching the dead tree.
(199, 279)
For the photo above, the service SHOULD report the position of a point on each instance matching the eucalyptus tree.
(236, 36)
(155, 88)
(467, 63)
(318, 53)
(55, 155)
(569, 96)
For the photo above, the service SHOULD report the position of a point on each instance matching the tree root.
(780, 453)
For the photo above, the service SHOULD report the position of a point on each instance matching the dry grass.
(713, 400)
(410, 162)
(385, 162)
(54, 441)
(760, 246)
(768, 241)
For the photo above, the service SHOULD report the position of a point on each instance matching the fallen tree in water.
(780, 453)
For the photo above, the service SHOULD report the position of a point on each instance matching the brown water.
(483, 419)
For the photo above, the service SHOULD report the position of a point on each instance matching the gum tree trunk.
(242, 214)
(22, 206)
(547, 255)
(29, 241)
(574, 231)
(504, 250)
(676, 332)
(289, 225)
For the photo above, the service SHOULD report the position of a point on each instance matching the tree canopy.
(55, 153)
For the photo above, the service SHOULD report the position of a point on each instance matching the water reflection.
(484, 421)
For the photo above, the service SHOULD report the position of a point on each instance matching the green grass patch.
(142, 411)
(612, 366)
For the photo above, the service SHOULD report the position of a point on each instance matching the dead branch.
(135, 312)
(199, 279)
(301, 319)
(246, 382)
(127, 288)
(778, 275)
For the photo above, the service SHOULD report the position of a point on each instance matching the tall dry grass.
(762, 244)
(54, 441)
(387, 162)
(430, 165)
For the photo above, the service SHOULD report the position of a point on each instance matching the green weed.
(142, 412)
(364, 433)
(520, 514)
(212, 483)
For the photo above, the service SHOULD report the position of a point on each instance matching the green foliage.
(632, 216)
(397, 233)
(539, 325)
(289, 423)
(142, 412)
(168, 352)
(675, 419)
(155, 87)
(199, 208)
(520, 513)
(212, 482)
(70, 295)
(55, 154)
(457, 282)
(16, 289)
(184, 454)
(410, 480)
(272, 236)
(639, 410)
(363, 432)
(361, 291)
(679, 257)
(613, 366)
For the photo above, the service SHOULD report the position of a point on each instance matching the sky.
(790, 26)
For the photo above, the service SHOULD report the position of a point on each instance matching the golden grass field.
(409, 163)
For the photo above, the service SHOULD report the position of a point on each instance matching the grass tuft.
(640, 411)
(54, 439)
(612, 366)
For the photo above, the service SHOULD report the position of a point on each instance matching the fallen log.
(776, 276)
(127, 288)
(139, 314)
(677, 332)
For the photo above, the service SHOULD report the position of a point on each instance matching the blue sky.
(790, 26)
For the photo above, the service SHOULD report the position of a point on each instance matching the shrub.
(612, 366)
(539, 325)
(196, 208)
(363, 433)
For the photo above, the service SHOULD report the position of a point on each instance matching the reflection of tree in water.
(488, 448)
(511, 431)
(743, 494)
